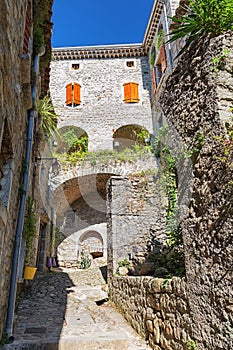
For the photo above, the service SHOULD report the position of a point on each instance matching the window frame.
(128, 61)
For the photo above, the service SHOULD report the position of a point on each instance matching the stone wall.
(13, 119)
(136, 212)
(158, 309)
(197, 102)
(15, 101)
(102, 110)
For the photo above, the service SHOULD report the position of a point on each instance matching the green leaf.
(203, 17)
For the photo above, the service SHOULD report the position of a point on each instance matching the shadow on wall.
(145, 71)
(44, 303)
(81, 215)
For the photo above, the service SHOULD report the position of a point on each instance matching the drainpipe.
(20, 220)
(167, 32)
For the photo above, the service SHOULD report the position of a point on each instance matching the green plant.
(159, 38)
(21, 191)
(48, 116)
(203, 17)
(104, 156)
(73, 142)
(38, 39)
(85, 262)
(40, 15)
(124, 263)
(191, 345)
(169, 159)
(152, 59)
(5, 339)
(142, 137)
(29, 229)
(219, 62)
(169, 176)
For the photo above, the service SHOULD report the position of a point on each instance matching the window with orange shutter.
(160, 67)
(162, 57)
(73, 94)
(131, 92)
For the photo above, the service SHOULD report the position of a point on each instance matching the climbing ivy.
(169, 176)
(29, 229)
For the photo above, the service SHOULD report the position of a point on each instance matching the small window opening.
(130, 64)
(75, 66)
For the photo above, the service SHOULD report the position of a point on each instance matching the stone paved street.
(58, 310)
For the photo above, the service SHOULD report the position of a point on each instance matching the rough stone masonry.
(197, 102)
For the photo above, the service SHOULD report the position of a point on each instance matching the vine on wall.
(29, 229)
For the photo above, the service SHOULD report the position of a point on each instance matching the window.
(131, 92)
(130, 64)
(75, 66)
(73, 94)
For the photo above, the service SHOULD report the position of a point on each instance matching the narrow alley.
(58, 310)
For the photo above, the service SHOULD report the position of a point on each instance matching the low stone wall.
(156, 308)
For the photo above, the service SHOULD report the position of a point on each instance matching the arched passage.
(92, 242)
(128, 136)
(81, 218)
(80, 202)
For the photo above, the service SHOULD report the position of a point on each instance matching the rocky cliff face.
(197, 102)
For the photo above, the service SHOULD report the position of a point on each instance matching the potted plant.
(29, 233)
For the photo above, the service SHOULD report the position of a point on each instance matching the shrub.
(203, 17)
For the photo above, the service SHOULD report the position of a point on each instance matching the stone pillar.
(136, 207)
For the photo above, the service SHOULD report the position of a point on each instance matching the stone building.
(110, 88)
(105, 94)
(196, 103)
(22, 82)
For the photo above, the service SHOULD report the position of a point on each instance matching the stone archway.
(71, 139)
(128, 136)
(91, 241)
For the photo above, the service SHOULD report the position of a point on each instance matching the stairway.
(60, 311)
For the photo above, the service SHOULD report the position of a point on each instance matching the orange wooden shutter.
(69, 94)
(163, 58)
(134, 92)
(76, 95)
(131, 92)
(127, 92)
(153, 79)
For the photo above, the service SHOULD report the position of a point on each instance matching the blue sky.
(99, 22)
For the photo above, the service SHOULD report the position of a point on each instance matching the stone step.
(72, 344)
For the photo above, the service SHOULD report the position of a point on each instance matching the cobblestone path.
(58, 310)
